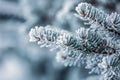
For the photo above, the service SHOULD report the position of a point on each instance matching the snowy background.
(22, 60)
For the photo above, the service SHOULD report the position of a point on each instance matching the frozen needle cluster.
(97, 46)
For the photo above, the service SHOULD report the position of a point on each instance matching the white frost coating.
(33, 33)
(97, 46)
(81, 6)
(103, 64)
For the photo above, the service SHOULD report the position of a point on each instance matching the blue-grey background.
(22, 60)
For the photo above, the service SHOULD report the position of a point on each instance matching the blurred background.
(22, 60)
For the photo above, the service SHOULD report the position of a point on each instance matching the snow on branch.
(72, 45)
(110, 22)
(93, 47)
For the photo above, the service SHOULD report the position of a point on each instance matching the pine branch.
(110, 22)
(86, 40)
(111, 67)
(73, 46)
(100, 53)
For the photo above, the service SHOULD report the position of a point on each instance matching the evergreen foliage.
(97, 46)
